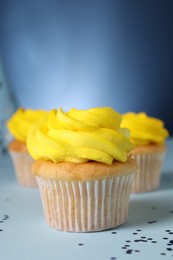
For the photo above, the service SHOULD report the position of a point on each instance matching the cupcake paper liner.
(149, 171)
(85, 206)
(22, 164)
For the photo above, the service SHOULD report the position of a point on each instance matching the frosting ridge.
(21, 120)
(80, 136)
(144, 129)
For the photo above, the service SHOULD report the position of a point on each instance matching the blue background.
(84, 54)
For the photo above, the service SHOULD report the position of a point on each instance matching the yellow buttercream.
(144, 129)
(80, 136)
(21, 121)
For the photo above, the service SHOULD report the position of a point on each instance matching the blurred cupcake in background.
(149, 135)
(83, 169)
(18, 126)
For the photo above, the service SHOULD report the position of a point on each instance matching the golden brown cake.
(84, 197)
(83, 169)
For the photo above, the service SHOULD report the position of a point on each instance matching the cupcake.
(82, 168)
(18, 125)
(149, 135)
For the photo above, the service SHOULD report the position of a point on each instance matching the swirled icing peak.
(144, 129)
(80, 136)
(21, 120)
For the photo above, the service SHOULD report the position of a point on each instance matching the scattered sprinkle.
(129, 251)
(140, 240)
(169, 249)
(152, 222)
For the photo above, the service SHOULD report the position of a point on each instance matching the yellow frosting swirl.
(144, 129)
(80, 136)
(21, 120)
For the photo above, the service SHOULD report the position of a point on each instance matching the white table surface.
(24, 235)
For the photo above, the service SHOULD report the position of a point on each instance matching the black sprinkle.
(171, 233)
(112, 258)
(128, 241)
(80, 244)
(143, 237)
(162, 253)
(149, 238)
(171, 242)
(171, 211)
(153, 241)
(5, 217)
(127, 245)
(114, 232)
(135, 233)
(140, 240)
(152, 222)
(137, 250)
(169, 249)
(138, 230)
(124, 247)
(165, 238)
(1, 221)
(1, 229)
(167, 230)
(129, 251)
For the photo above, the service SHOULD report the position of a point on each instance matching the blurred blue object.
(7, 107)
